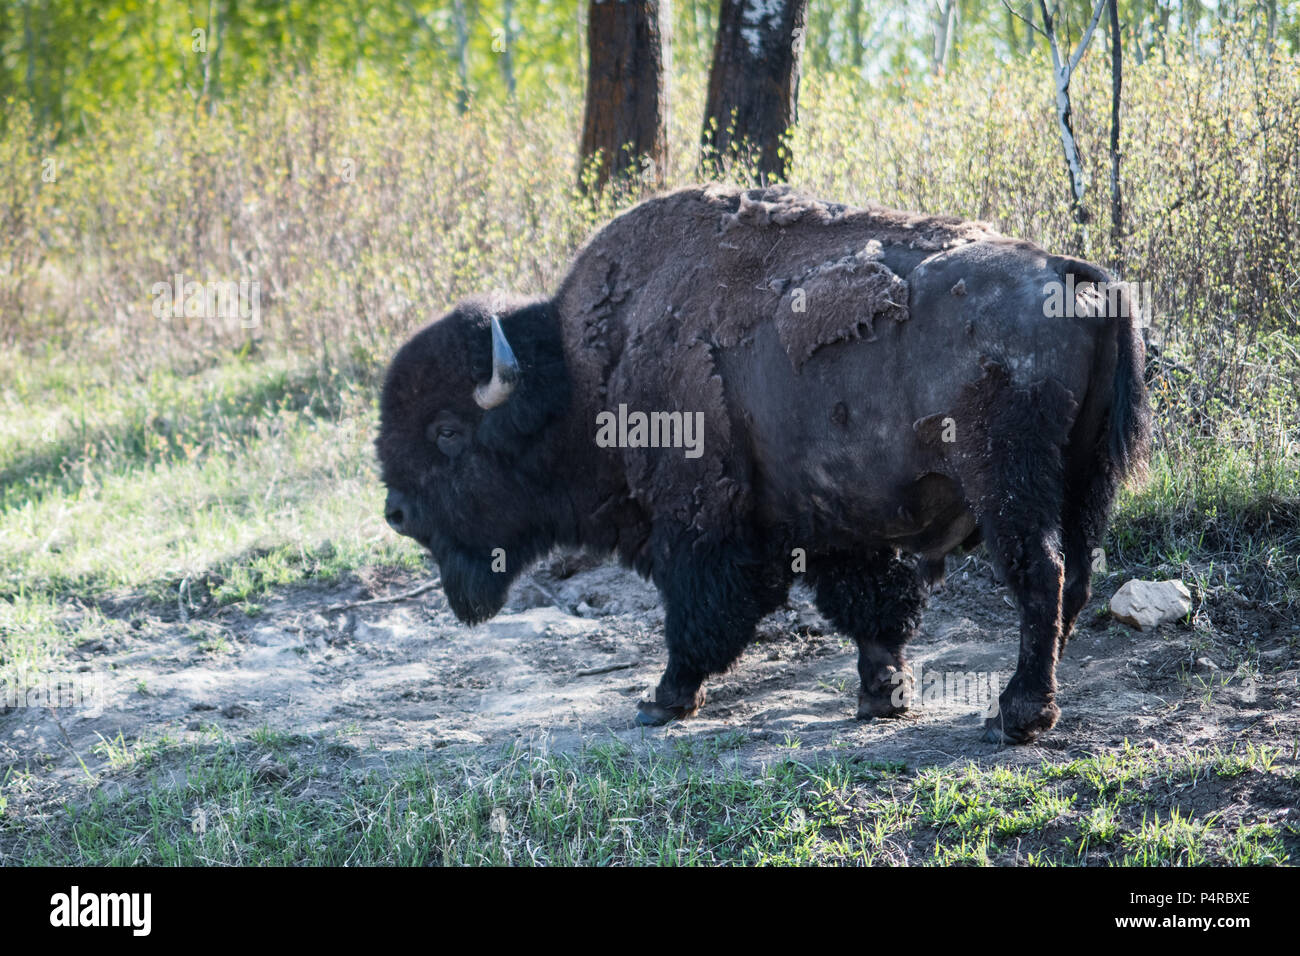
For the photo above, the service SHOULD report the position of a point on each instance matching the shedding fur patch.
(838, 301)
(778, 206)
(717, 261)
(664, 372)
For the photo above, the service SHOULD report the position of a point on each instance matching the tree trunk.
(507, 50)
(753, 86)
(1163, 15)
(855, 33)
(945, 24)
(1116, 83)
(462, 55)
(212, 59)
(1064, 64)
(1139, 52)
(625, 129)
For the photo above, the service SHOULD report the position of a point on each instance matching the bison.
(867, 391)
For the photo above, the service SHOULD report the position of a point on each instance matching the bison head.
(465, 446)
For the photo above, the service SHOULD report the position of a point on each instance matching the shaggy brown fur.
(660, 288)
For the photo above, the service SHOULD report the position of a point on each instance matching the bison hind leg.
(1019, 487)
(877, 599)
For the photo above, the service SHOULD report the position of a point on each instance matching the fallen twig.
(554, 598)
(619, 666)
(71, 749)
(390, 599)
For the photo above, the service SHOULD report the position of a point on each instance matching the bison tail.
(1129, 442)
(1130, 411)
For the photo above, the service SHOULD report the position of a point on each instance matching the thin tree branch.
(1087, 36)
(1116, 189)
(390, 599)
(606, 669)
(1023, 19)
(1049, 31)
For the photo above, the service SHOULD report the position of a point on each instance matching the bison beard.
(474, 591)
(872, 386)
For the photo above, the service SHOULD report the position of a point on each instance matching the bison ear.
(519, 397)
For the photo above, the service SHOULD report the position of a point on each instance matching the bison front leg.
(877, 599)
(713, 601)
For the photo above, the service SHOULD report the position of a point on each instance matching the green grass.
(277, 799)
(217, 486)
(1215, 515)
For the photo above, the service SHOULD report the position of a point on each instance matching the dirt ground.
(390, 680)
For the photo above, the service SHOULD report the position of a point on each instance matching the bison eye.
(449, 438)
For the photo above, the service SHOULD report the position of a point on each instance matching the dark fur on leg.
(1026, 545)
(1035, 573)
(877, 599)
(714, 595)
(1087, 512)
(1010, 443)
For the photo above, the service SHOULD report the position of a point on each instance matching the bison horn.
(505, 371)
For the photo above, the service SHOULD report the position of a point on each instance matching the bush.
(363, 212)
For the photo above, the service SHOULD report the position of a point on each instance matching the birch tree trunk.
(945, 24)
(508, 47)
(1063, 69)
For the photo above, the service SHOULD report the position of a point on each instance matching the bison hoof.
(652, 714)
(994, 735)
(1020, 723)
(888, 695)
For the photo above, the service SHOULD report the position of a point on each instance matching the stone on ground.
(1148, 604)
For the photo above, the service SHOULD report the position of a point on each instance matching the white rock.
(1148, 604)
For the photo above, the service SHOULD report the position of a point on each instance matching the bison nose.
(395, 511)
